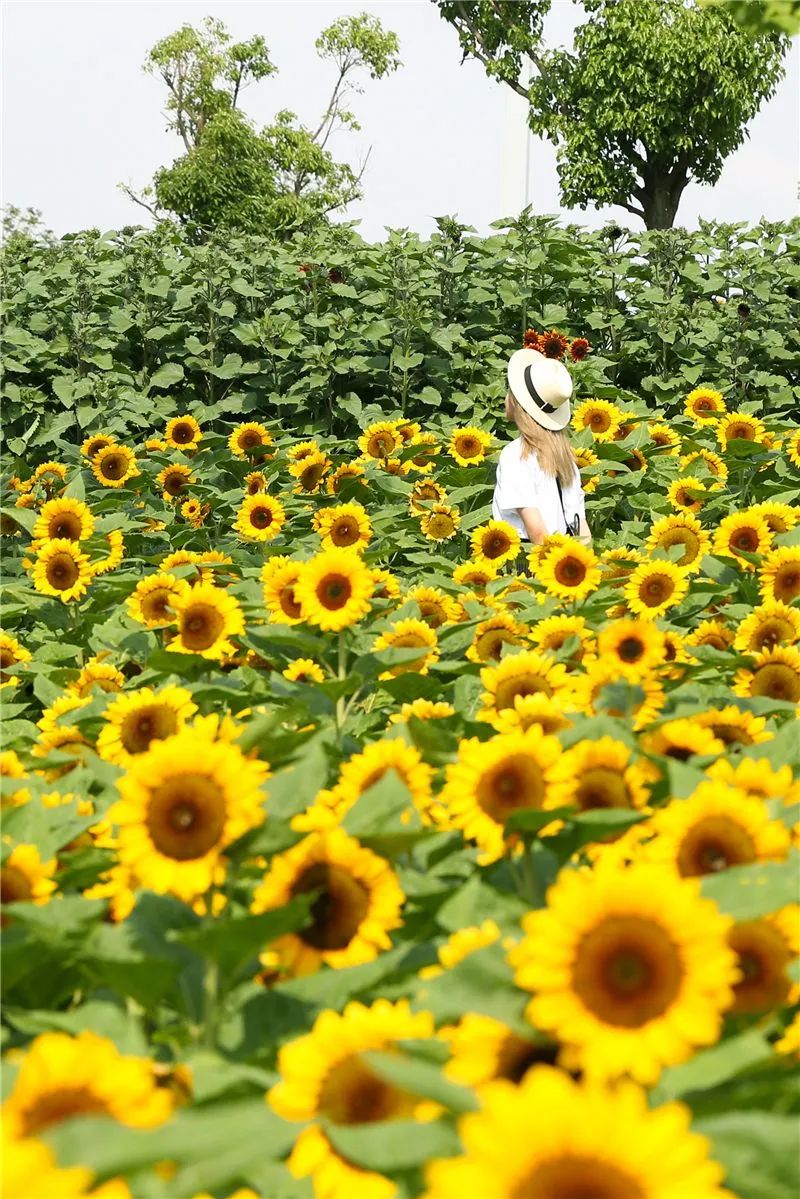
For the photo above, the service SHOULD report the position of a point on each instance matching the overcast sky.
(80, 116)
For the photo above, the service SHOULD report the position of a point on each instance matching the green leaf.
(232, 942)
(391, 1145)
(166, 375)
(758, 1151)
(747, 892)
(713, 1066)
(384, 817)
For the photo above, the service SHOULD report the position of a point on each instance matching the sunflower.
(309, 472)
(357, 905)
(601, 774)
(247, 438)
(789, 1043)
(364, 770)
(50, 475)
(94, 444)
(591, 1142)
(409, 634)
(739, 426)
(715, 828)
(155, 445)
(569, 570)
(764, 950)
(586, 458)
(395, 466)
(483, 1048)
(133, 722)
(424, 492)
(260, 518)
(525, 673)
(64, 517)
(304, 670)
(325, 1077)
(552, 344)
(771, 624)
(62, 1076)
(334, 589)
(426, 447)
(279, 576)
(348, 470)
(710, 632)
(114, 465)
(530, 339)
(303, 449)
(665, 438)
(153, 599)
(775, 673)
(496, 542)
(422, 709)
(474, 576)
(254, 482)
(600, 417)
(97, 675)
(491, 635)
(174, 479)
(619, 563)
(793, 448)
(527, 710)
(440, 523)
(630, 968)
(387, 585)
(704, 406)
(468, 446)
(655, 586)
(779, 576)
(733, 726)
(683, 530)
(687, 494)
(756, 777)
(742, 533)
(682, 739)
(25, 878)
(194, 512)
(781, 518)
(634, 646)
(62, 570)
(343, 526)
(380, 440)
(207, 617)
(30, 1171)
(460, 944)
(435, 607)
(182, 432)
(116, 552)
(181, 803)
(11, 654)
(641, 702)
(491, 780)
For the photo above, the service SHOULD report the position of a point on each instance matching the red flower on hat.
(579, 348)
(553, 344)
(531, 340)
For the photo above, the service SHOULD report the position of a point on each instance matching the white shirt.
(521, 483)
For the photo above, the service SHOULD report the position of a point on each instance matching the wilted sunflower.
(492, 634)
(770, 624)
(279, 576)
(630, 969)
(343, 526)
(62, 570)
(435, 607)
(309, 472)
(491, 780)
(152, 601)
(174, 479)
(380, 440)
(774, 673)
(740, 426)
(182, 432)
(600, 417)
(334, 589)
(525, 673)
(247, 438)
(133, 722)
(468, 446)
(779, 577)
(181, 803)
(424, 492)
(64, 517)
(440, 522)
(206, 617)
(25, 878)
(591, 1142)
(325, 1076)
(569, 570)
(114, 465)
(715, 828)
(654, 587)
(742, 533)
(11, 654)
(260, 518)
(62, 1076)
(357, 905)
(765, 949)
(496, 542)
(94, 443)
(409, 634)
(685, 531)
(704, 406)
(304, 670)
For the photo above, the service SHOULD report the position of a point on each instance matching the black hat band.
(545, 407)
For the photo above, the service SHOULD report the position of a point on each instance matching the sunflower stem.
(210, 995)
(341, 708)
(530, 888)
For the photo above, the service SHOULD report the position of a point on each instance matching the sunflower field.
(350, 850)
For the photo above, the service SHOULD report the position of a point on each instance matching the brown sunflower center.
(155, 605)
(151, 723)
(631, 649)
(517, 1055)
(66, 524)
(731, 734)
(656, 589)
(740, 432)
(261, 518)
(713, 844)
(787, 583)
(467, 447)
(344, 531)
(201, 626)
(249, 439)
(490, 644)
(288, 602)
(175, 482)
(602, 787)
(746, 540)
(627, 971)
(598, 421)
(113, 466)
(685, 538)
(254, 486)
(338, 910)
(94, 447)
(14, 885)
(440, 526)
(183, 433)
(575, 1177)
(7, 659)
(703, 405)
(494, 545)
(513, 783)
(353, 1094)
(528, 684)
(333, 591)
(52, 1107)
(62, 572)
(311, 476)
(570, 571)
(776, 680)
(773, 631)
(380, 445)
(763, 955)
(186, 816)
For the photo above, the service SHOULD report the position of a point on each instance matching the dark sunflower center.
(261, 518)
(352, 1094)
(772, 632)
(175, 483)
(381, 446)
(627, 971)
(494, 545)
(152, 723)
(344, 532)
(62, 1104)
(776, 680)
(509, 689)
(334, 591)
(62, 572)
(14, 885)
(762, 956)
(569, 1177)
(66, 525)
(602, 787)
(311, 476)
(468, 447)
(249, 439)
(440, 526)
(517, 1056)
(6, 659)
(631, 649)
(113, 467)
(154, 605)
(201, 626)
(183, 433)
(570, 572)
(746, 540)
(513, 783)
(288, 602)
(787, 584)
(338, 910)
(599, 421)
(656, 589)
(186, 816)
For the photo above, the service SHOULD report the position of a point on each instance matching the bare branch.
(131, 194)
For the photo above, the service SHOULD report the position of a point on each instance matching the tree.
(233, 176)
(655, 93)
(783, 15)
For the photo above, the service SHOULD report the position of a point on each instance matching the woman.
(538, 489)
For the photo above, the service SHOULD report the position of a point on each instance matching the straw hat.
(542, 386)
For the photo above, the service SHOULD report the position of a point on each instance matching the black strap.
(545, 407)
(573, 526)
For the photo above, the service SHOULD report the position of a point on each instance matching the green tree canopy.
(232, 175)
(655, 93)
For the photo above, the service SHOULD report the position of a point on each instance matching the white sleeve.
(574, 500)
(516, 486)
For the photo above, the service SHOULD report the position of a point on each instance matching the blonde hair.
(551, 447)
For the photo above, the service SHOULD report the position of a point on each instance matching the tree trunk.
(661, 199)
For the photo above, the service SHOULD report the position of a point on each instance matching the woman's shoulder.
(512, 452)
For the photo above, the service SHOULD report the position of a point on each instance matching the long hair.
(551, 447)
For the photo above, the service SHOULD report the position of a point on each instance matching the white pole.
(516, 149)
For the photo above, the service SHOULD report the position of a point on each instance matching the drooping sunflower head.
(409, 634)
(309, 472)
(114, 465)
(600, 417)
(62, 570)
(133, 722)
(774, 673)
(64, 517)
(152, 601)
(343, 526)
(381, 440)
(248, 438)
(468, 446)
(684, 531)
(569, 570)
(182, 432)
(51, 476)
(780, 518)
(704, 406)
(334, 589)
(206, 617)
(654, 587)
(496, 542)
(260, 518)
(440, 522)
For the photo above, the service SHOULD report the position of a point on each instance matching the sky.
(80, 117)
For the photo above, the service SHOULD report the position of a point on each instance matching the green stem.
(210, 998)
(341, 673)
